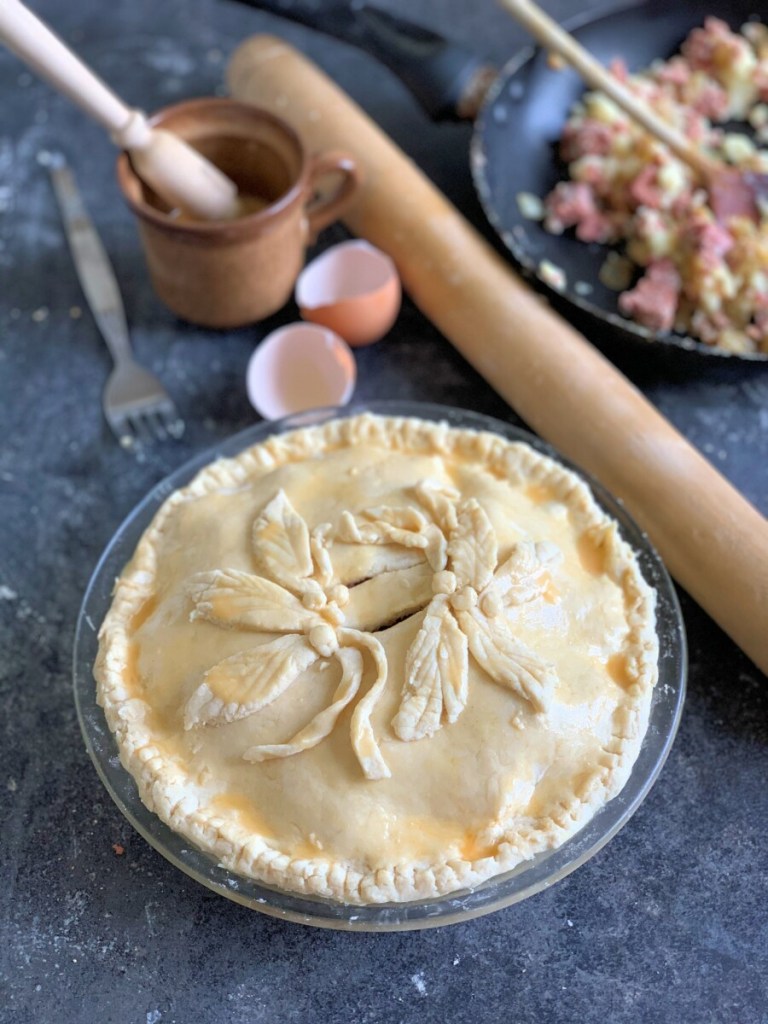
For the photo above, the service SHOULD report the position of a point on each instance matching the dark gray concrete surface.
(668, 923)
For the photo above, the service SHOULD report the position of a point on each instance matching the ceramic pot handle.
(325, 210)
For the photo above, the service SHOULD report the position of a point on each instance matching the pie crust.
(379, 659)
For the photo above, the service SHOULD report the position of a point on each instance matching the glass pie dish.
(502, 890)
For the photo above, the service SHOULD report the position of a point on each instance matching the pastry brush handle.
(41, 50)
(176, 171)
(553, 37)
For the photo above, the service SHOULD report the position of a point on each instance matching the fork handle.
(92, 264)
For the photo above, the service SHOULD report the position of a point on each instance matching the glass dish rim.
(544, 870)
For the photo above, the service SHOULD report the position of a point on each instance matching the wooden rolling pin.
(713, 541)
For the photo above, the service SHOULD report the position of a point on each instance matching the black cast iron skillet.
(520, 112)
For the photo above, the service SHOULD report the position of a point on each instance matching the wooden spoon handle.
(555, 38)
(714, 542)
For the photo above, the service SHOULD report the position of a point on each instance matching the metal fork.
(136, 405)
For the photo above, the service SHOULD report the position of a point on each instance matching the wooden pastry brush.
(177, 172)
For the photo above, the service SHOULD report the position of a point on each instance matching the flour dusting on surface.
(417, 980)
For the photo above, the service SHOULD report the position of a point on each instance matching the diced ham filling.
(589, 137)
(645, 189)
(572, 204)
(707, 49)
(711, 101)
(730, 196)
(761, 82)
(758, 331)
(676, 72)
(653, 301)
(703, 246)
(709, 240)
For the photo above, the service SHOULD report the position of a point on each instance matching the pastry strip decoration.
(295, 595)
(466, 615)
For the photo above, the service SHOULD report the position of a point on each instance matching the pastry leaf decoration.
(524, 575)
(322, 724)
(507, 661)
(248, 681)
(294, 595)
(241, 600)
(467, 596)
(281, 544)
(436, 675)
(467, 614)
(472, 548)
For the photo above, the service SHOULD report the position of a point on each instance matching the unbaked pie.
(379, 659)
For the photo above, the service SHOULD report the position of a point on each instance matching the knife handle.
(94, 270)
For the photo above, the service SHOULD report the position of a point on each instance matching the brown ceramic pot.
(230, 273)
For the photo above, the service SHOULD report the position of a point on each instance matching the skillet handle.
(448, 81)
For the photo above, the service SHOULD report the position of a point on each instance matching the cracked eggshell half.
(300, 367)
(352, 288)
